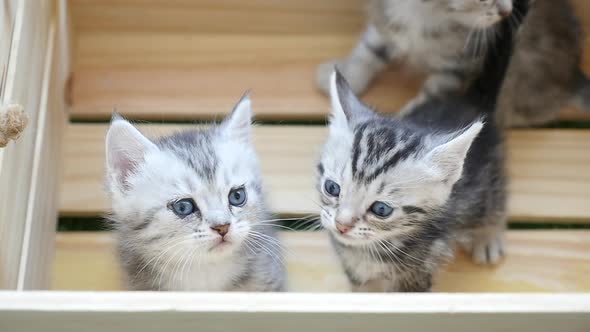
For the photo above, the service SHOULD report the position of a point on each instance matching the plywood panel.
(190, 59)
(548, 168)
(537, 261)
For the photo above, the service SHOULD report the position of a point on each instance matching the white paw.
(324, 72)
(488, 252)
(355, 74)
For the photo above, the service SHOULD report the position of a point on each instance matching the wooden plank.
(544, 165)
(219, 16)
(43, 205)
(178, 60)
(24, 80)
(537, 261)
(152, 311)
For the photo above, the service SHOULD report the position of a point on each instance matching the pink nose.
(343, 229)
(221, 229)
(504, 11)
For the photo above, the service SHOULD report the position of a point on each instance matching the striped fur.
(441, 178)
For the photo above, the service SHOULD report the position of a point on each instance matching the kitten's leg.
(486, 244)
(414, 282)
(368, 58)
(373, 286)
(438, 84)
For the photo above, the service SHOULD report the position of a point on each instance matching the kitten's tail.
(582, 97)
(485, 89)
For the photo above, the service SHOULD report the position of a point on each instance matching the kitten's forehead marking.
(378, 148)
(195, 148)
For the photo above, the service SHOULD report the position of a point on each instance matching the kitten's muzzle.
(504, 8)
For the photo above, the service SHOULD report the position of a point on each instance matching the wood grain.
(538, 261)
(191, 59)
(548, 169)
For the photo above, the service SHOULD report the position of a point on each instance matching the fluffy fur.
(161, 250)
(442, 177)
(448, 39)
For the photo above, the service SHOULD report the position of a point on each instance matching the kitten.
(447, 40)
(189, 211)
(397, 192)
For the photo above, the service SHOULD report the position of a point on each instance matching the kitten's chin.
(222, 247)
(351, 240)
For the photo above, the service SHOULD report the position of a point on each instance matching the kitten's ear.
(125, 149)
(238, 124)
(447, 160)
(346, 107)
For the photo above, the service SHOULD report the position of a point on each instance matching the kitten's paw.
(357, 79)
(324, 72)
(488, 252)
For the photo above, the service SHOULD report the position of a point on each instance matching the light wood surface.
(537, 261)
(192, 59)
(548, 168)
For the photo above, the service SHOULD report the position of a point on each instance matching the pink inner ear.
(123, 167)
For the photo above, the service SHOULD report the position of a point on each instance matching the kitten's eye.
(332, 188)
(184, 207)
(381, 209)
(237, 197)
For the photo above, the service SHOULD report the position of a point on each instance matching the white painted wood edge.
(37, 162)
(46, 301)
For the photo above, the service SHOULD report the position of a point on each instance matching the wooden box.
(70, 63)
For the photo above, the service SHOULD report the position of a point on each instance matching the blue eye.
(332, 188)
(381, 209)
(184, 207)
(237, 197)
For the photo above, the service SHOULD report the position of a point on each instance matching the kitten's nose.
(343, 229)
(221, 229)
(504, 12)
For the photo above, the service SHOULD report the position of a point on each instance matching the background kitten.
(447, 39)
(397, 192)
(544, 75)
(189, 210)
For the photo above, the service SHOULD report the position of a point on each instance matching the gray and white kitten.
(447, 39)
(398, 192)
(189, 211)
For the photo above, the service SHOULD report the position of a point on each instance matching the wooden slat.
(548, 168)
(24, 86)
(537, 261)
(39, 237)
(190, 59)
(219, 16)
(293, 312)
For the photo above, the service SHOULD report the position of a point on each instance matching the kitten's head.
(381, 177)
(480, 13)
(198, 190)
